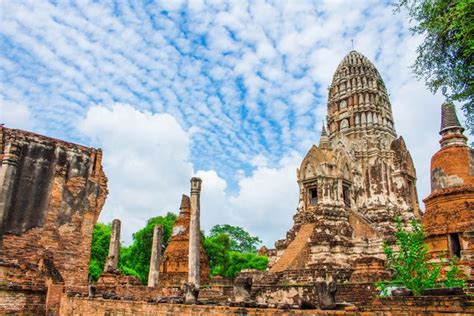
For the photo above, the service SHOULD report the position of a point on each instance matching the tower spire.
(451, 130)
(324, 139)
(449, 119)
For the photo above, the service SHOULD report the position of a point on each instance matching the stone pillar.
(194, 243)
(155, 258)
(7, 178)
(111, 262)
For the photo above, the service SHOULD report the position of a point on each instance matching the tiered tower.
(355, 183)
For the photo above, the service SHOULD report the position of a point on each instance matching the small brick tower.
(174, 265)
(449, 216)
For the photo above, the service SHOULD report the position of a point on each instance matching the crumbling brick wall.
(51, 194)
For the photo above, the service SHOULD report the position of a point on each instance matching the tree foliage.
(217, 249)
(410, 262)
(231, 249)
(446, 57)
(239, 261)
(240, 240)
(135, 259)
(454, 276)
(99, 249)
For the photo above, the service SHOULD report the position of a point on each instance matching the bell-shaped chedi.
(354, 184)
(174, 265)
(449, 215)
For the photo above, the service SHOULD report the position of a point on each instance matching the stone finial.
(449, 119)
(324, 139)
(323, 131)
(111, 263)
(451, 130)
(155, 258)
(195, 185)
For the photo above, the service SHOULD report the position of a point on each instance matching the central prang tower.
(354, 184)
(358, 103)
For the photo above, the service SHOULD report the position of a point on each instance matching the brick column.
(192, 288)
(7, 177)
(194, 233)
(111, 262)
(155, 258)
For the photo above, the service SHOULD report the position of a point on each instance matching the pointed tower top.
(451, 129)
(323, 132)
(185, 203)
(324, 139)
(449, 119)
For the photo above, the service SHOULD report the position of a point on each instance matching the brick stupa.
(174, 266)
(449, 217)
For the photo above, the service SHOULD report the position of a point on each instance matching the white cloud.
(145, 159)
(15, 115)
(220, 87)
(264, 204)
(268, 198)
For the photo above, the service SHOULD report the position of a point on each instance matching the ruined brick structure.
(449, 215)
(51, 194)
(174, 264)
(353, 185)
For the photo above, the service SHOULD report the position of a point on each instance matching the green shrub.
(410, 263)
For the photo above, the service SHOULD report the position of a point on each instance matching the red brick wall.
(53, 297)
(22, 302)
(394, 306)
(454, 160)
(53, 197)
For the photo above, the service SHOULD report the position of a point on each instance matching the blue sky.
(232, 91)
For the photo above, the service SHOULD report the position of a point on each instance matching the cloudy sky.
(233, 92)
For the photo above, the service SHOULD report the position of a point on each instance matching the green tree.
(239, 261)
(217, 249)
(240, 240)
(135, 259)
(231, 249)
(410, 262)
(446, 56)
(454, 276)
(99, 249)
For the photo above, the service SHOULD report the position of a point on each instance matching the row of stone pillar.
(371, 118)
(192, 288)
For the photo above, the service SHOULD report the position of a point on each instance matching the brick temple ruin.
(352, 186)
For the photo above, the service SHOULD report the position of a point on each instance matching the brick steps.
(295, 252)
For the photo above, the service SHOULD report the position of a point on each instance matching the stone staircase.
(296, 252)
